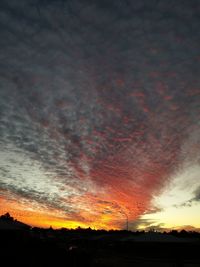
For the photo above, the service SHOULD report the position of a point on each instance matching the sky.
(100, 113)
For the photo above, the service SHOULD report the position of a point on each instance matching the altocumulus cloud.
(99, 102)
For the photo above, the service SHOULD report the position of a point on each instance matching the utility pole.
(126, 221)
(126, 215)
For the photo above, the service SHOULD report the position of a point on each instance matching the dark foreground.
(40, 247)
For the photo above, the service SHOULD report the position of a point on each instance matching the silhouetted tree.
(174, 232)
(7, 217)
(183, 233)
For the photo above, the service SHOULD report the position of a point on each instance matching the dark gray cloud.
(193, 200)
(197, 194)
(100, 97)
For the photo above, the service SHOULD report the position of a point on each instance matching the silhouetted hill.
(9, 223)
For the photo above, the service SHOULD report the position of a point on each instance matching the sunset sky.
(100, 113)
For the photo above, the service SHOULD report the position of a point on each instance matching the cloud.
(193, 200)
(97, 101)
(197, 194)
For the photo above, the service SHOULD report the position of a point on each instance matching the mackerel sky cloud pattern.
(99, 106)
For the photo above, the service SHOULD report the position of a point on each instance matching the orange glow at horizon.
(47, 218)
(111, 207)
